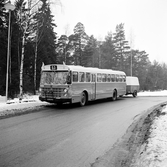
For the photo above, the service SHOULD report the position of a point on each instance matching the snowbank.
(156, 93)
(14, 107)
(154, 152)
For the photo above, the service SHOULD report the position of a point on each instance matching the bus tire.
(83, 100)
(114, 95)
(134, 93)
(59, 104)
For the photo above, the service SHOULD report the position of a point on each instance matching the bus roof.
(61, 67)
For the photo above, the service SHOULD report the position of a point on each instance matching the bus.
(62, 83)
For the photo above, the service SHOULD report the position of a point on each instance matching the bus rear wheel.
(114, 96)
(134, 94)
(59, 104)
(83, 99)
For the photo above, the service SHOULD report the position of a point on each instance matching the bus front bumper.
(55, 100)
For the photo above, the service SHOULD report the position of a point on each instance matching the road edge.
(124, 151)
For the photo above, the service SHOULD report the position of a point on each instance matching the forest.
(34, 41)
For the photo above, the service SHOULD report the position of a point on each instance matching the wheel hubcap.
(83, 99)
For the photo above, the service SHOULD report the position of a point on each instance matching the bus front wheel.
(83, 99)
(114, 96)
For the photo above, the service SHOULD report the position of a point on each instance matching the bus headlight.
(65, 90)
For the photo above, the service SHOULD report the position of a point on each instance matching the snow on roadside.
(155, 93)
(154, 152)
(13, 107)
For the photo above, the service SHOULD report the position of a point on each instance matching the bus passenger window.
(93, 78)
(81, 77)
(112, 77)
(87, 77)
(75, 76)
(124, 78)
(104, 77)
(120, 78)
(117, 78)
(108, 78)
(98, 77)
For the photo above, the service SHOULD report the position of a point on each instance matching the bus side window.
(104, 77)
(124, 77)
(75, 76)
(120, 78)
(98, 77)
(117, 78)
(87, 77)
(93, 78)
(108, 78)
(81, 77)
(113, 77)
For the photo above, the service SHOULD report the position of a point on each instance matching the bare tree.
(25, 12)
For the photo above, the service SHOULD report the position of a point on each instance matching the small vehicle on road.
(132, 85)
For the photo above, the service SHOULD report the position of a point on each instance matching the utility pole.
(10, 8)
(131, 62)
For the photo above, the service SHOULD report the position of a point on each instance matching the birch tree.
(25, 11)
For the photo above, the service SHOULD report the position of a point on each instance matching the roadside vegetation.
(34, 41)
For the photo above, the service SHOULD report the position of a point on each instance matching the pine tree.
(140, 65)
(80, 42)
(121, 45)
(90, 53)
(164, 79)
(154, 77)
(47, 41)
(62, 48)
(109, 53)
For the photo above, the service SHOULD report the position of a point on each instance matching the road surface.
(69, 136)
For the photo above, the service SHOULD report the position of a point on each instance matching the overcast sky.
(145, 21)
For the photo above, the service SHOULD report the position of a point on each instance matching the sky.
(145, 21)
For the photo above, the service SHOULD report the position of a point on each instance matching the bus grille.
(52, 92)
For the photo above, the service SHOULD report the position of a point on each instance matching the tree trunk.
(35, 67)
(21, 68)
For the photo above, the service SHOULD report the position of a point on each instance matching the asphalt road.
(69, 136)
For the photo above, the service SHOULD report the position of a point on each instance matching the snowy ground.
(153, 154)
(12, 107)
(155, 93)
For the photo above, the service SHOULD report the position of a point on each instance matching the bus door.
(93, 83)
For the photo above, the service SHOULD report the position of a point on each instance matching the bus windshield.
(55, 77)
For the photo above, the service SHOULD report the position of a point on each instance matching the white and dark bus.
(70, 83)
